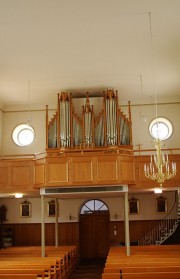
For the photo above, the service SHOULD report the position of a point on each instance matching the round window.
(23, 135)
(160, 128)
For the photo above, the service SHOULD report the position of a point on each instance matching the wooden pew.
(46, 269)
(144, 262)
(142, 275)
(130, 269)
(19, 276)
(64, 258)
(172, 250)
(40, 272)
(50, 265)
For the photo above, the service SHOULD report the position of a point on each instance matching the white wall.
(11, 120)
(147, 203)
(139, 127)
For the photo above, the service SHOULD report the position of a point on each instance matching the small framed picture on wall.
(161, 204)
(133, 206)
(51, 208)
(25, 209)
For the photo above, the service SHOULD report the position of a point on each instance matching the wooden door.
(94, 235)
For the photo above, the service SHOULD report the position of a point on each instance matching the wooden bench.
(172, 250)
(151, 262)
(40, 272)
(130, 269)
(19, 276)
(46, 269)
(142, 275)
(59, 261)
(49, 265)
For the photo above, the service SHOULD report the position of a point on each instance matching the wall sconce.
(70, 216)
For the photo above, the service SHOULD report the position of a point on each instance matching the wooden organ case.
(110, 128)
(88, 142)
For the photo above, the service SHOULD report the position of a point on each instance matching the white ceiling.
(47, 46)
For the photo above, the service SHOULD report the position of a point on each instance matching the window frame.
(161, 120)
(92, 207)
(22, 127)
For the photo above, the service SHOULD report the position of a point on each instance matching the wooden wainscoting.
(136, 228)
(30, 234)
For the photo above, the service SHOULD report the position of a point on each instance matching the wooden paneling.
(3, 175)
(69, 233)
(20, 175)
(25, 234)
(119, 237)
(140, 161)
(82, 170)
(39, 172)
(72, 233)
(89, 169)
(30, 234)
(136, 228)
(50, 234)
(16, 175)
(56, 171)
(107, 167)
(79, 168)
(139, 228)
(127, 170)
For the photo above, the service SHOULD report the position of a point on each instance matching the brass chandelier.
(159, 168)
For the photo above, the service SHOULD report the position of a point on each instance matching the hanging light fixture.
(159, 169)
(28, 102)
(142, 113)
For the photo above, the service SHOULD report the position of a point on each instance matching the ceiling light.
(18, 195)
(158, 190)
(159, 169)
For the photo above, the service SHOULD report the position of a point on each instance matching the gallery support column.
(42, 227)
(56, 224)
(127, 238)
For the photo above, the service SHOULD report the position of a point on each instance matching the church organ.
(88, 143)
(111, 127)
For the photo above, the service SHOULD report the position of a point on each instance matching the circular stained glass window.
(160, 128)
(23, 135)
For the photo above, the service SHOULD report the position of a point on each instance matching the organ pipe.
(111, 127)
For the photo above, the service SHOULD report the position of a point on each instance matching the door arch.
(94, 237)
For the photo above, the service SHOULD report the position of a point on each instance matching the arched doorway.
(94, 230)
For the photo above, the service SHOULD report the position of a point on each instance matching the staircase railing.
(161, 231)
